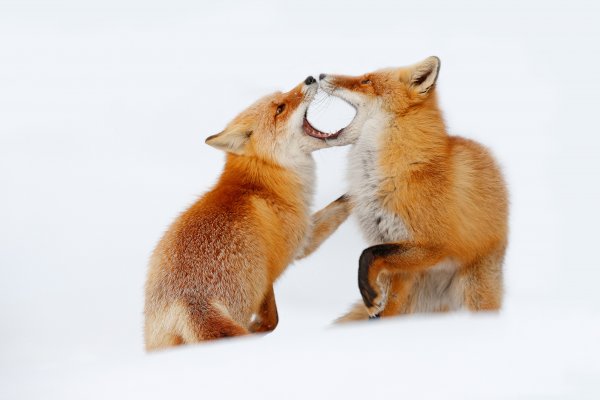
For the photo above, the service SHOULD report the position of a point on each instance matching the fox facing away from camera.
(433, 207)
(212, 273)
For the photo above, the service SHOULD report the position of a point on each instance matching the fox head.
(380, 94)
(273, 128)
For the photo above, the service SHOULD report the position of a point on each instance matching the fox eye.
(280, 109)
(365, 81)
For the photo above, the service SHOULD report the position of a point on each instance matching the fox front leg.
(325, 222)
(377, 265)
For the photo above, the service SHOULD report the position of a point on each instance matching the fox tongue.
(312, 131)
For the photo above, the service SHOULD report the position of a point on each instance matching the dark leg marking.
(365, 261)
(366, 291)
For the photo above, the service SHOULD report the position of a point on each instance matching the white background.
(104, 107)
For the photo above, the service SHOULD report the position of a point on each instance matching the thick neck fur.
(419, 132)
(267, 179)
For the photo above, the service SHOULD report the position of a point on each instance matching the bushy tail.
(213, 322)
(358, 312)
(193, 322)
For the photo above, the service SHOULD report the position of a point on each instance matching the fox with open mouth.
(433, 207)
(211, 275)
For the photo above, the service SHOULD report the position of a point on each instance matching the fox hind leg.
(267, 317)
(483, 283)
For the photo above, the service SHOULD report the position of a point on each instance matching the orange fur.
(212, 273)
(448, 191)
(325, 222)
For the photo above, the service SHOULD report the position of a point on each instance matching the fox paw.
(374, 301)
(257, 325)
(376, 307)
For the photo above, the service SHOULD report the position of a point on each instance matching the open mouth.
(314, 132)
(330, 113)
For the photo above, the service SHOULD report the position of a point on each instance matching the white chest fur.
(377, 224)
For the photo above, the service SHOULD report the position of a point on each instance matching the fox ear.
(230, 140)
(424, 74)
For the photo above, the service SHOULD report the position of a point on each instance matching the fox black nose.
(310, 80)
(322, 76)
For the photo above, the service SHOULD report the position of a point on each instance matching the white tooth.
(329, 113)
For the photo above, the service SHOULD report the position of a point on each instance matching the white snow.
(104, 108)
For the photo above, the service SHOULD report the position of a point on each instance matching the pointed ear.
(424, 74)
(231, 140)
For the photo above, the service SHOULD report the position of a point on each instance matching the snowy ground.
(104, 108)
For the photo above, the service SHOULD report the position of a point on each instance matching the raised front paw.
(372, 295)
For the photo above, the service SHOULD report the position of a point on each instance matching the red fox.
(212, 273)
(433, 207)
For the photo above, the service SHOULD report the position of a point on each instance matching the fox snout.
(329, 82)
